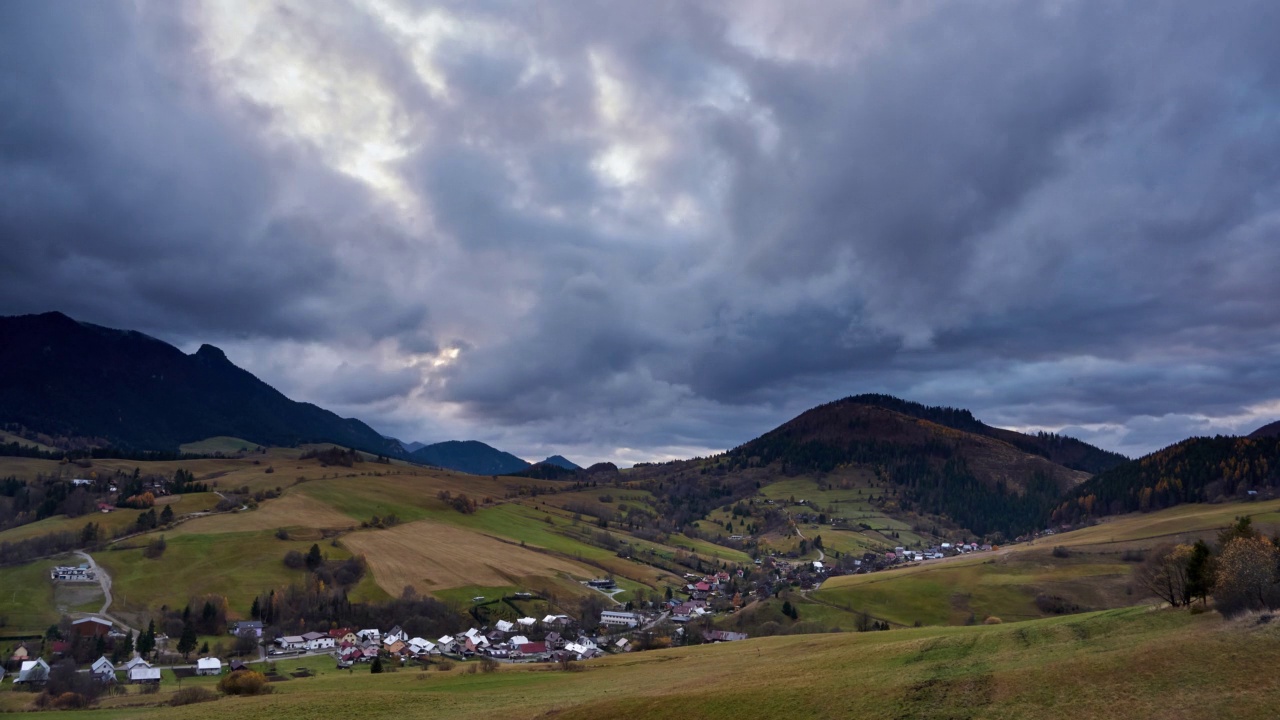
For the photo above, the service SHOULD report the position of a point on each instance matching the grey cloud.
(1057, 215)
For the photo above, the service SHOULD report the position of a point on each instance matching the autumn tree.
(1164, 573)
(1247, 577)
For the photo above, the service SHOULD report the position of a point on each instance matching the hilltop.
(469, 456)
(77, 381)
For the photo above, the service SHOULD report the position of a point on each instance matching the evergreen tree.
(187, 642)
(314, 558)
(1200, 572)
(166, 516)
(376, 666)
(255, 611)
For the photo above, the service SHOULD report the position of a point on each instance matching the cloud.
(631, 231)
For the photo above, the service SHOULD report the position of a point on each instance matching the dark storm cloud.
(665, 229)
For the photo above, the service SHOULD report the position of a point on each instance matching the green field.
(235, 565)
(27, 601)
(1131, 663)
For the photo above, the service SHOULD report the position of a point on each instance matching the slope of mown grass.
(976, 587)
(1131, 663)
(221, 443)
(235, 565)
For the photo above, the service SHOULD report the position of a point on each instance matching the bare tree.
(1164, 573)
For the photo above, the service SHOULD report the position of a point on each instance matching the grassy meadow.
(1129, 663)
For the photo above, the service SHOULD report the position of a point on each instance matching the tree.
(255, 610)
(1164, 573)
(1200, 572)
(166, 515)
(376, 666)
(1247, 577)
(147, 640)
(314, 558)
(187, 642)
(1243, 529)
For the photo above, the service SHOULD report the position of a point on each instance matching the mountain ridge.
(64, 377)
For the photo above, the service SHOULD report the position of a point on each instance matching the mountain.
(1195, 470)
(407, 447)
(469, 456)
(1270, 430)
(561, 461)
(1066, 451)
(71, 379)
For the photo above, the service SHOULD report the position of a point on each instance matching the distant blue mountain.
(469, 456)
(561, 461)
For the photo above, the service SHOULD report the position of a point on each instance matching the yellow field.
(293, 510)
(432, 556)
(1176, 524)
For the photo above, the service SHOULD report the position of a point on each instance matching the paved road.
(104, 579)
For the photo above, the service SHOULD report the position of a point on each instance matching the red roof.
(533, 648)
(702, 587)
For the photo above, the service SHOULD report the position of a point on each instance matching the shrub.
(1061, 552)
(192, 695)
(1055, 605)
(282, 534)
(992, 620)
(244, 682)
(444, 665)
(488, 665)
(1133, 555)
(1247, 576)
(294, 560)
(472, 669)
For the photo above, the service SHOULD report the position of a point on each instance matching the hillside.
(469, 456)
(561, 461)
(68, 379)
(1066, 451)
(980, 481)
(1132, 663)
(1269, 430)
(1191, 471)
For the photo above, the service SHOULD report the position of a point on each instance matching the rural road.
(821, 555)
(104, 579)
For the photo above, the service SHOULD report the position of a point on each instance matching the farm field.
(219, 444)
(237, 565)
(1128, 663)
(971, 589)
(429, 556)
(1005, 583)
(110, 522)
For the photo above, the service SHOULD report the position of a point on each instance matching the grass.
(1130, 663)
(431, 556)
(219, 444)
(27, 601)
(235, 565)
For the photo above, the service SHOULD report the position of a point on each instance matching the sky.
(636, 231)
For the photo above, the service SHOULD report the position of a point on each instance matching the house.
(370, 634)
(556, 620)
(20, 653)
(80, 482)
(623, 645)
(532, 649)
(447, 644)
(519, 640)
(246, 626)
(527, 622)
(91, 627)
(102, 665)
(144, 674)
(398, 634)
(208, 666)
(393, 645)
(135, 662)
(237, 665)
(616, 618)
(504, 626)
(421, 646)
(343, 635)
(292, 642)
(317, 641)
(35, 672)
